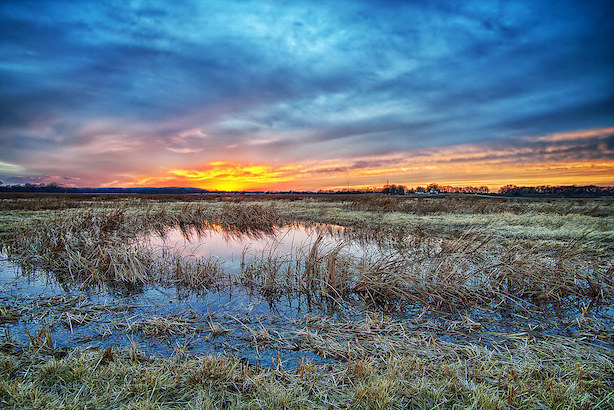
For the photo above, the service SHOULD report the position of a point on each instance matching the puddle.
(228, 245)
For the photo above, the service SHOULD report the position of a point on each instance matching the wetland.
(307, 301)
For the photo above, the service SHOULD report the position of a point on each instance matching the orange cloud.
(554, 159)
(574, 135)
(221, 176)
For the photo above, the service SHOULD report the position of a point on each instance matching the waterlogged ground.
(173, 320)
(160, 321)
(273, 331)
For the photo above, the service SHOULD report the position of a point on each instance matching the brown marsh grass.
(457, 268)
(454, 273)
(441, 253)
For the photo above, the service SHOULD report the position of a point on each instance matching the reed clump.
(194, 273)
(249, 217)
(83, 246)
(102, 247)
(318, 268)
(456, 273)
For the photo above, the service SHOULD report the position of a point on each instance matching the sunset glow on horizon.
(218, 176)
(473, 165)
(279, 96)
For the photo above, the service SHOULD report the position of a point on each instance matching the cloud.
(109, 91)
(221, 175)
(567, 158)
(6, 168)
(578, 135)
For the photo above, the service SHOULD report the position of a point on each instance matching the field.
(387, 302)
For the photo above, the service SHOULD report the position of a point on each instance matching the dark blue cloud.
(333, 80)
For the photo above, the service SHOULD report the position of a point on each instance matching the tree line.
(507, 190)
(389, 189)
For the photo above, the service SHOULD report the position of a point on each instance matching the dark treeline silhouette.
(58, 189)
(446, 189)
(433, 189)
(394, 189)
(560, 191)
(566, 191)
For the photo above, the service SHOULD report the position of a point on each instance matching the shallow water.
(120, 317)
(230, 245)
(232, 248)
(32, 300)
(171, 320)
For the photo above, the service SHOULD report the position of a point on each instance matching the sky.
(306, 95)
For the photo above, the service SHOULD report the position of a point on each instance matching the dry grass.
(426, 373)
(457, 273)
(457, 269)
(437, 255)
(97, 247)
(467, 204)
